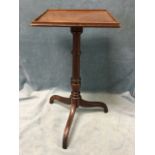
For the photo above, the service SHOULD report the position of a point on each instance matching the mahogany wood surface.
(70, 18)
(75, 100)
(76, 20)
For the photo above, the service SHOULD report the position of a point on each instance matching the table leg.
(89, 104)
(60, 99)
(68, 125)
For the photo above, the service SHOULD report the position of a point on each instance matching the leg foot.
(84, 103)
(68, 125)
(60, 99)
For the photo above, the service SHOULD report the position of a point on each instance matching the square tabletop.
(78, 18)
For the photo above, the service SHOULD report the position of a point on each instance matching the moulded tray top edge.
(35, 22)
(68, 10)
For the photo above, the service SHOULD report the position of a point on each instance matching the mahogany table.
(76, 20)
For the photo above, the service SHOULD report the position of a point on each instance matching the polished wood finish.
(76, 20)
(82, 18)
(75, 99)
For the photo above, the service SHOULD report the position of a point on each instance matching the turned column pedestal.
(75, 99)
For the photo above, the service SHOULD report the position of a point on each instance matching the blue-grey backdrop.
(107, 60)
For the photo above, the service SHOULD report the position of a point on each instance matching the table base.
(75, 99)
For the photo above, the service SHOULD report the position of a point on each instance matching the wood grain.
(71, 18)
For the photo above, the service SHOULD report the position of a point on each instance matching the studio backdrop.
(107, 55)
